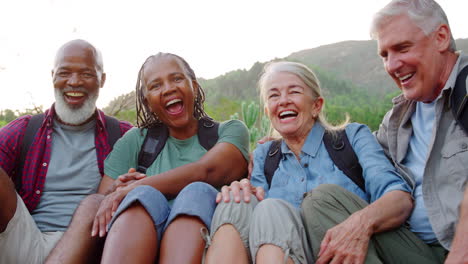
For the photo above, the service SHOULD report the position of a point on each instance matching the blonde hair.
(310, 80)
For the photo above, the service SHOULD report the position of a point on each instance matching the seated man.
(420, 134)
(64, 163)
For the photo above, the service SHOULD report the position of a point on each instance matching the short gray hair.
(426, 14)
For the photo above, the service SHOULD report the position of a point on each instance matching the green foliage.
(257, 125)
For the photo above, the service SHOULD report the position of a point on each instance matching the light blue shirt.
(423, 126)
(293, 178)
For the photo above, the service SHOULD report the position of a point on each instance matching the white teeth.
(74, 94)
(289, 112)
(407, 76)
(173, 101)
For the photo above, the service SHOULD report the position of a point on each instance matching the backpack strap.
(207, 132)
(113, 130)
(156, 138)
(154, 142)
(31, 129)
(458, 99)
(344, 157)
(272, 160)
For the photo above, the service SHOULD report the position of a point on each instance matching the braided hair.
(146, 118)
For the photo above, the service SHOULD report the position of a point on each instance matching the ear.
(443, 37)
(52, 73)
(265, 110)
(194, 87)
(318, 104)
(103, 79)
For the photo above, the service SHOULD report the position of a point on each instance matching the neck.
(449, 63)
(295, 144)
(185, 132)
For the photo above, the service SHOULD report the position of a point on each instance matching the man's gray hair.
(426, 14)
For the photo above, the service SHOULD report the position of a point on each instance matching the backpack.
(339, 149)
(157, 135)
(112, 127)
(458, 100)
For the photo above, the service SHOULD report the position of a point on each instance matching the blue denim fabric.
(293, 178)
(196, 199)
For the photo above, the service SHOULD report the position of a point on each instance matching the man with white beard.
(63, 166)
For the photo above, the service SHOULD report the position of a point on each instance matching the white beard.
(75, 116)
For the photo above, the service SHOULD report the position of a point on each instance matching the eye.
(87, 75)
(273, 95)
(178, 78)
(63, 74)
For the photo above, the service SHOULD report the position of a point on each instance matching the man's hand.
(235, 189)
(347, 242)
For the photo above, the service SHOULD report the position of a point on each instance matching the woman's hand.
(235, 189)
(126, 179)
(347, 242)
(107, 209)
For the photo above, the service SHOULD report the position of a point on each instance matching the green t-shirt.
(175, 152)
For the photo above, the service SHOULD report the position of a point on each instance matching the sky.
(214, 36)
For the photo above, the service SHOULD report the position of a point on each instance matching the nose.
(393, 63)
(284, 99)
(168, 88)
(75, 80)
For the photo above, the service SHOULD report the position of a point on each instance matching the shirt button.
(44, 164)
(302, 180)
(38, 192)
(48, 136)
(306, 165)
(463, 145)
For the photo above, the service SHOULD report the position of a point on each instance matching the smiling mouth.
(174, 106)
(74, 97)
(287, 115)
(405, 78)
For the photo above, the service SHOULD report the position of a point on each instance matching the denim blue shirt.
(293, 178)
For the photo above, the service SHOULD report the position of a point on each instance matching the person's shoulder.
(233, 123)
(354, 129)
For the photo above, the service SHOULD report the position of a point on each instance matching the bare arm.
(221, 165)
(349, 240)
(459, 251)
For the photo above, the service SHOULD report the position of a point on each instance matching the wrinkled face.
(290, 104)
(411, 58)
(170, 93)
(77, 80)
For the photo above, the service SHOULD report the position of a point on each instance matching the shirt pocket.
(455, 161)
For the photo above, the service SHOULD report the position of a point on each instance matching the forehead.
(76, 54)
(395, 30)
(159, 67)
(281, 79)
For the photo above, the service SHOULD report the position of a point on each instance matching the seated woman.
(272, 230)
(137, 213)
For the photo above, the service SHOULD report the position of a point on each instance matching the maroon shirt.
(38, 156)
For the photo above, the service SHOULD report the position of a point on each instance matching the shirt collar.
(312, 143)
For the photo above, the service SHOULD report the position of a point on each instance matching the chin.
(74, 114)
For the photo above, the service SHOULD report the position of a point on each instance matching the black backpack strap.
(344, 157)
(459, 100)
(272, 160)
(31, 129)
(207, 132)
(113, 130)
(154, 142)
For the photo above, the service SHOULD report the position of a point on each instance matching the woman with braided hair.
(164, 209)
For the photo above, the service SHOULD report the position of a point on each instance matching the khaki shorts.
(22, 241)
(272, 221)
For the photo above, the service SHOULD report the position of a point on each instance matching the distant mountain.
(342, 68)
